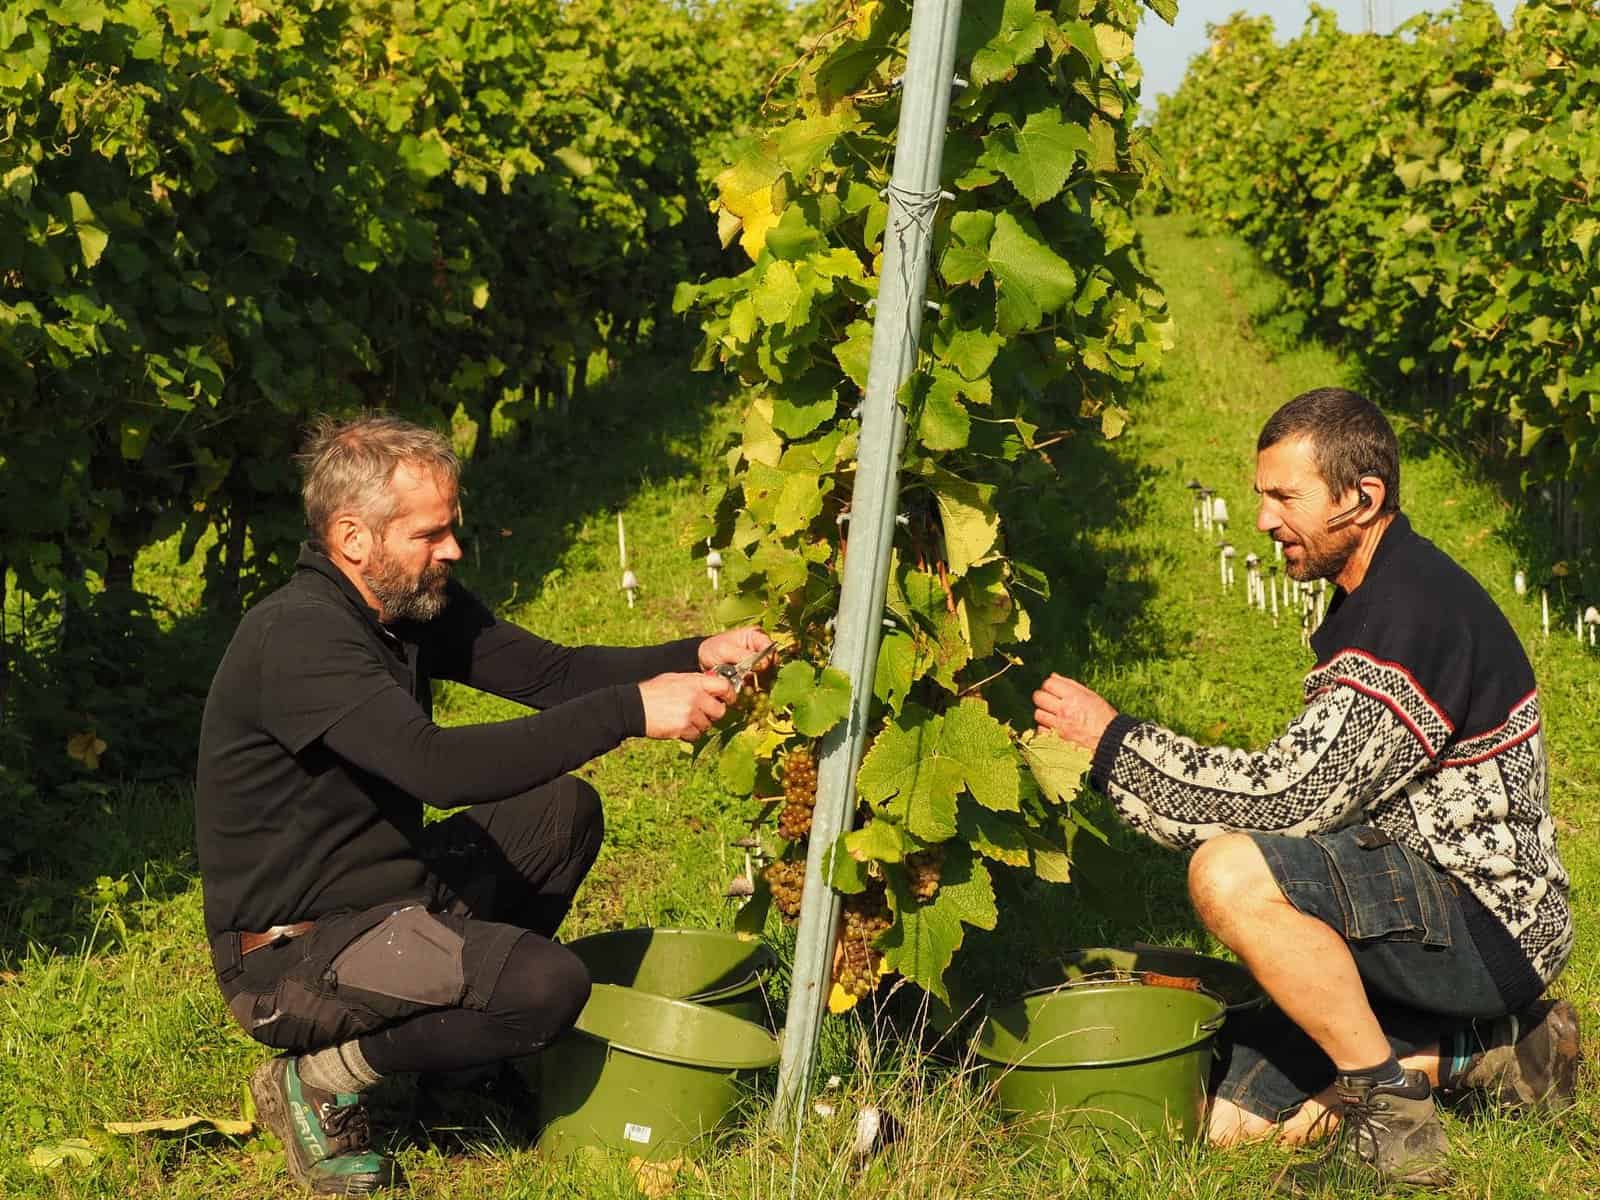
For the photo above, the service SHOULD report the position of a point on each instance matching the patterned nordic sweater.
(1422, 719)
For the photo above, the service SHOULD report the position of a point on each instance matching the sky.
(1165, 50)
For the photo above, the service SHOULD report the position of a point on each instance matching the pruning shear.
(737, 672)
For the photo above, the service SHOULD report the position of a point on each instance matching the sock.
(1460, 1051)
(338, 1069)
(1387, 1072)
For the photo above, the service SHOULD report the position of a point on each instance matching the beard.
(408, 598)
(1322, 557)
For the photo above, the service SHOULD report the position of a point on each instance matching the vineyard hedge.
(1429, 197)
(219, 218)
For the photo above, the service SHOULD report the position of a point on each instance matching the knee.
(588, 815)
(541, 992)
(1227, 877)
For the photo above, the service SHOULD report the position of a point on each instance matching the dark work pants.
(464, 976)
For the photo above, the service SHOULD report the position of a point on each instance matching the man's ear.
(350, 539)
(1373, 489)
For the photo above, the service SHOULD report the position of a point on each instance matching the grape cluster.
(753, 705)
(799, 769)
(866, 915)
(786, 881)
(923, 868)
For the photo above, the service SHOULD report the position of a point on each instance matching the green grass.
(107, 1006)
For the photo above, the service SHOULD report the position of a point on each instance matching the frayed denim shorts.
(1407, 931)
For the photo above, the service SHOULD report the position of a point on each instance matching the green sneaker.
(1388, 1134)
(325, 1136)
(1528, 1061)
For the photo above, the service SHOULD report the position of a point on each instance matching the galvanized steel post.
(913, 196)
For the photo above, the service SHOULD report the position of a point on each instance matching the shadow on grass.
(86, 838)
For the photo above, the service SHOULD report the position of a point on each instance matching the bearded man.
(1387, 869)
(345, 931)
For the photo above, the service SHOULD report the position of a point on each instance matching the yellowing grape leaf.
(750, 191)
(182, 1125)
(86, 748)
(1057, 765)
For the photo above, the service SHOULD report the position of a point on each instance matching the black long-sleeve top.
(318, 745)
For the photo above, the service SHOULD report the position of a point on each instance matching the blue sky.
(1165, 50)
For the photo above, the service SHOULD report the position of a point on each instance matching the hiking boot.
(325, 1136)
(1528, 1061)
(1388, 1133)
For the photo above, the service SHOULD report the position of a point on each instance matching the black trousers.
(463, 976)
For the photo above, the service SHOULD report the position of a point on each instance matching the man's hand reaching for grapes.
(1066, 707)
(731, 646)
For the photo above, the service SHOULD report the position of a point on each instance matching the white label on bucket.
(637, 1133)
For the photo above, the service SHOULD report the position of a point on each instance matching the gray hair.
(347, 466)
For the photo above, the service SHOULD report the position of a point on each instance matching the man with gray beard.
(345, 931)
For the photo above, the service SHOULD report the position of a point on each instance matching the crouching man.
(344, 931)
(1387, 868)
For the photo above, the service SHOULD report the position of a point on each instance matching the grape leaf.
(992, 835)
(971, 525)
(1038, 157)
(819, 698)
(897, 653)
(1021, 33)
(966, 255)
(878, 841)
(944, 424)
(1034, 280)
(1057, 765)
(855, 352)
(924, 938)
(983, 747)
(905, 774)
(736, 765)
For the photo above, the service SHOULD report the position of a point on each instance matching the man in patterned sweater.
(1387, 868)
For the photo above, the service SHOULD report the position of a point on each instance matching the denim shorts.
(1403, 920)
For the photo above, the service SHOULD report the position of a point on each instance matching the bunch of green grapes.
(787, 882)
(857, 971)
(866, 915)
(753, 705)
(923, 868)
(799, 769)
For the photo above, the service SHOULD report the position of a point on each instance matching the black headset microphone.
(1339, 518)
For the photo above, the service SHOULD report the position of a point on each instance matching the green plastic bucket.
(1236, 987)
(704, 966)
(645, 1074)
(1103, 1061)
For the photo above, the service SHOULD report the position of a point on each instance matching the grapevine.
(1044, 313)
(1429, 197)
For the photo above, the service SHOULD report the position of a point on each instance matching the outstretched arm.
(1345, 750)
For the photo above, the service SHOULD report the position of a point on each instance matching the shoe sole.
(266, 1087)
(1561, 1094)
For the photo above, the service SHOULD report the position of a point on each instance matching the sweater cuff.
(1105, 754)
